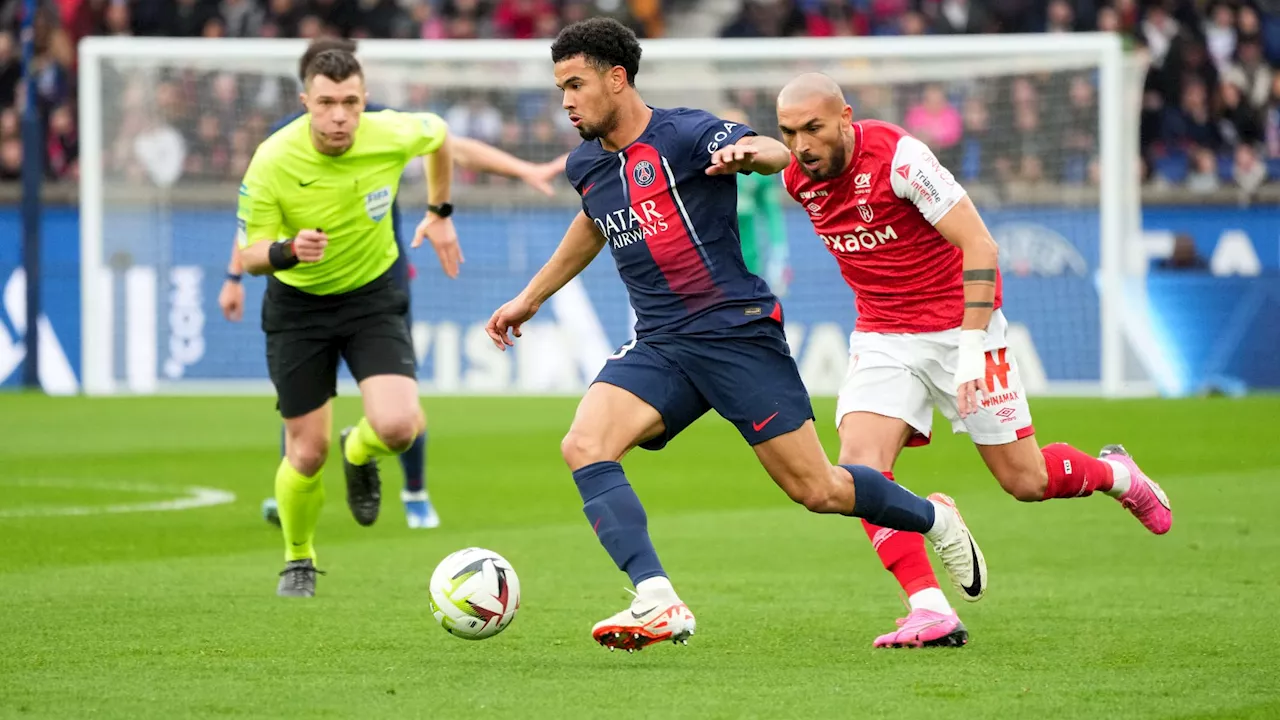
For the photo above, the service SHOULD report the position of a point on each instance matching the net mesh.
(178, 133)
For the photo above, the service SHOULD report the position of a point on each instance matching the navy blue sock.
(885, 503)
(414, 462)
(618, 518)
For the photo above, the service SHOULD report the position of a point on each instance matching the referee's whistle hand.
(309, 245)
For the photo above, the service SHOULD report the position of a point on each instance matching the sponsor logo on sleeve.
(720, 137)
(927, 188)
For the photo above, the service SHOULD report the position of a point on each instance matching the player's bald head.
(816, 124)
(812, 89)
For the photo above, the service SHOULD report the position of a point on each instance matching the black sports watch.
(443, 210)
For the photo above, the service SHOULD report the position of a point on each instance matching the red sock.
(903, 555)
(1073, 473)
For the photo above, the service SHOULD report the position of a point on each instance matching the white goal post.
(164, 124)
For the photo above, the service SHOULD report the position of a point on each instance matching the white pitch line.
(196, 497)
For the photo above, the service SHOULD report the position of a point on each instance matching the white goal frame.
(1118, 202)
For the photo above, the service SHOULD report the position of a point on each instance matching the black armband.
(979, 276)
(281, 256)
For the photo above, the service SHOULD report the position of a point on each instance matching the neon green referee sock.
(300, 499)
(363, 444)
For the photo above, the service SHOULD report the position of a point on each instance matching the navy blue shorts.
(745, 373)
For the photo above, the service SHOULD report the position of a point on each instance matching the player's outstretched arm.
(753, 153)
(963, 227)
(581, 243)
(482, 157)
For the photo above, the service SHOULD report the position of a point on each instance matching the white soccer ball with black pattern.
(474, 593)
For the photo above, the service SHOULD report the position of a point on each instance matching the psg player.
(658, 189)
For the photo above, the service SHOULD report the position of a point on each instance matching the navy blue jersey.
(673, 229)
(395, 205)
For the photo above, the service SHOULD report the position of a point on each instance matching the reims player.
(929, 332)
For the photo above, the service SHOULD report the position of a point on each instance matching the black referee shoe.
(364, 487)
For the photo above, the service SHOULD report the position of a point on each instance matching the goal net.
(1041, 133)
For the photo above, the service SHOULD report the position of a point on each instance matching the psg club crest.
(865, 212)
(644, 173)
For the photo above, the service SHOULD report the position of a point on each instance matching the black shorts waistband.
(283, 291)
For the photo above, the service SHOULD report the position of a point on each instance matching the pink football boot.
(926, 628)
(1145, 499)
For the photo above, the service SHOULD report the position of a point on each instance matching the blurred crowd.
(1210, 112)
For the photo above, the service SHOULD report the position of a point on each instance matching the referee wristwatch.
(443, 210)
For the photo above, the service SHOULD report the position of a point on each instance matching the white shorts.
(906, 375)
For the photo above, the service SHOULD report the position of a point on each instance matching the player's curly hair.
(602, 42)
(337, 65)
(320, 45)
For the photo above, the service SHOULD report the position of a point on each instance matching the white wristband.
(970, 363)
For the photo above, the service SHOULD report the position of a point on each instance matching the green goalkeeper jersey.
(291, 186)
(758, 199)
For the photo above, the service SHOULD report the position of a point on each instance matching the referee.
(314, 214)
(465, 152)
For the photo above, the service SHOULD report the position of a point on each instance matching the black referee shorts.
(306, 334)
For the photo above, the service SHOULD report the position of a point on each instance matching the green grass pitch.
(174, 614)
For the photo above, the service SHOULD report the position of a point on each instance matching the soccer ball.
(474, 593)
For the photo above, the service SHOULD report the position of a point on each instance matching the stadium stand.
(1210, 115)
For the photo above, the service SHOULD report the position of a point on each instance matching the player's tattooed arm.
(963, 227)
(754, 153)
